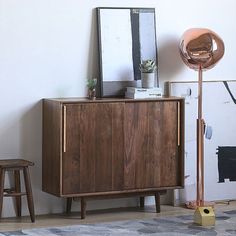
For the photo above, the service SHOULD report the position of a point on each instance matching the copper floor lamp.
(201, 49)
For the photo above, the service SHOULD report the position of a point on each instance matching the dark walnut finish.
(15, 166)
(112, 148)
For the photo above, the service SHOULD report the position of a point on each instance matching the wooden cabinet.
(151, 145)
(118, 147)
(92, 157)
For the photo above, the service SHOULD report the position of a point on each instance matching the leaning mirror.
(126, 36)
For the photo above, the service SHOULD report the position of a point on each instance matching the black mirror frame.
(118, 89)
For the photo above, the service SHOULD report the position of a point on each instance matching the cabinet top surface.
(86, 100)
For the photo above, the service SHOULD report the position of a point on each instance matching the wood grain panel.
(169, 163)
(88, 147)
(181, 147)
(117, 146)
(136, 144)
(143, 144)
(154, 157)
(113, 146)
(71, 156)
(103, 146)
(51, 147)
(129, 162)
(102, 151)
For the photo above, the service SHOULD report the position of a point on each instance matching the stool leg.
(2, 180)
(29, 193)
(17, 190)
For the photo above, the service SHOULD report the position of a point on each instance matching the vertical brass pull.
(64, 128)
(178, 137)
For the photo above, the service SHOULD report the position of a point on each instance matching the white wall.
(48, 49)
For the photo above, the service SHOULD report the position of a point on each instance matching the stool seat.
(15, 166)
(15, 163)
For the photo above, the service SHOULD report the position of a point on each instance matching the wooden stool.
(16, 165)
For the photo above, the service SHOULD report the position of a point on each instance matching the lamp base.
(193, 204)
(204, 216)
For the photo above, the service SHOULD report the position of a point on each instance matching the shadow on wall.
(170, 62)
(30, 140)
(21, 137)
(31, 149)
(92, 69)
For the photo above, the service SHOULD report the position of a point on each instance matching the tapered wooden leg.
(158, 202)
(68, 204)
(29, 193)
(2, 180)
(83, 208)
(17, 190)
(142, 202)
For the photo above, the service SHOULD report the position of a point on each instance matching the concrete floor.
(11, 224)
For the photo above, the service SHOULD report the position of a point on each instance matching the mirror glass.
(126, 37)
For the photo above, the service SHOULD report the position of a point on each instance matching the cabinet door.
(71, 149)
(151, 150)
(101, 147)
(93, 148)
(171, 161)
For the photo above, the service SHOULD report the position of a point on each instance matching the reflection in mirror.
(126, 37)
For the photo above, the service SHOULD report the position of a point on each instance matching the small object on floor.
(17, 165)
(204, 216)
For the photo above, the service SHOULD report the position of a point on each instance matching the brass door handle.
(178, 124)
(64, 128)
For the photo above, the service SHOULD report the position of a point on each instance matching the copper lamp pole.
(200, 144)
(201, 49)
